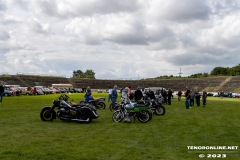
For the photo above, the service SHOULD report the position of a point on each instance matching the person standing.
(197, 98)
(179, 95)
(187, 101)
(192, 97)
(114, 96)
(1, 92)
(204, 98)
(109, 94)
(169, 94)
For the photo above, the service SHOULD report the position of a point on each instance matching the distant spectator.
(197, 98)
(179, 94)
(34, 90)
(164, 94)
(169, 94)
(192, 97)
(1, 92)
(109, 94)
(221, 94)
(187, 101)
(114, 96)
(125, 94)
(204, 98)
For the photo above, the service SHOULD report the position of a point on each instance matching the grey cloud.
(130, 39)
(87, 8)
(108, 6)
(3, 7)
(224, 7)
(185, 10)
(49, 7)
(198, 58)
(4, 35)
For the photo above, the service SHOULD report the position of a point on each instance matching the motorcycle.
(132, 110)
(157, 107)
(64, 111)
(96, 103)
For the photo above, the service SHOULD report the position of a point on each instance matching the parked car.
(102, 91)
(236, 95)
(225, 94)
(26, 92)
(7, 92)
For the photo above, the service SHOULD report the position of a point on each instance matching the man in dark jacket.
(169, 94)
(138, 95)
(1, 92)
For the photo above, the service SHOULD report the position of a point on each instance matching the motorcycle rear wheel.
(101, 105)
(144, 116)
(46, 114)
(160, 110)
(117, 116)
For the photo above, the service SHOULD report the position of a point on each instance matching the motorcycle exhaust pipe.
(80, 120)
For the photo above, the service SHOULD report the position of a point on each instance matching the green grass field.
(23, 136)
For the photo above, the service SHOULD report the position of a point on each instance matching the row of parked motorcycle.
(87, 111)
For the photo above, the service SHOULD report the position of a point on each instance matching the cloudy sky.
(118, 39)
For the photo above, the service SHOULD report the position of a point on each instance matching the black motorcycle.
(64, 111)
(156, 104)
(157, 107)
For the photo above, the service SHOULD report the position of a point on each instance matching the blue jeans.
(187, 103)
(109, 97)
(114, 99)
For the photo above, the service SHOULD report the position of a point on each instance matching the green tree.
(220, 71)
(235, 71)
(89, 73)
(78, 73)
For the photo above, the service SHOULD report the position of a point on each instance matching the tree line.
(217, 71)
(220, 71)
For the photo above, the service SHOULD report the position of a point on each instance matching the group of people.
(193, 96)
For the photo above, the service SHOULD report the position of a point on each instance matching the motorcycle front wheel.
(114, 108)
(160, 110)
(144, 116)
(46, 114)
(117, 116)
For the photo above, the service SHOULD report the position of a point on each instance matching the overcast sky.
(118, 39)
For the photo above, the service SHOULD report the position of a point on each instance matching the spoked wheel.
(144, 116)
(101, 105)
(150, 113)
(114, 108)
(46, 114)
(160, 110)
(117, 116)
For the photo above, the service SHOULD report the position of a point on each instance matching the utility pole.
(180, 72)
